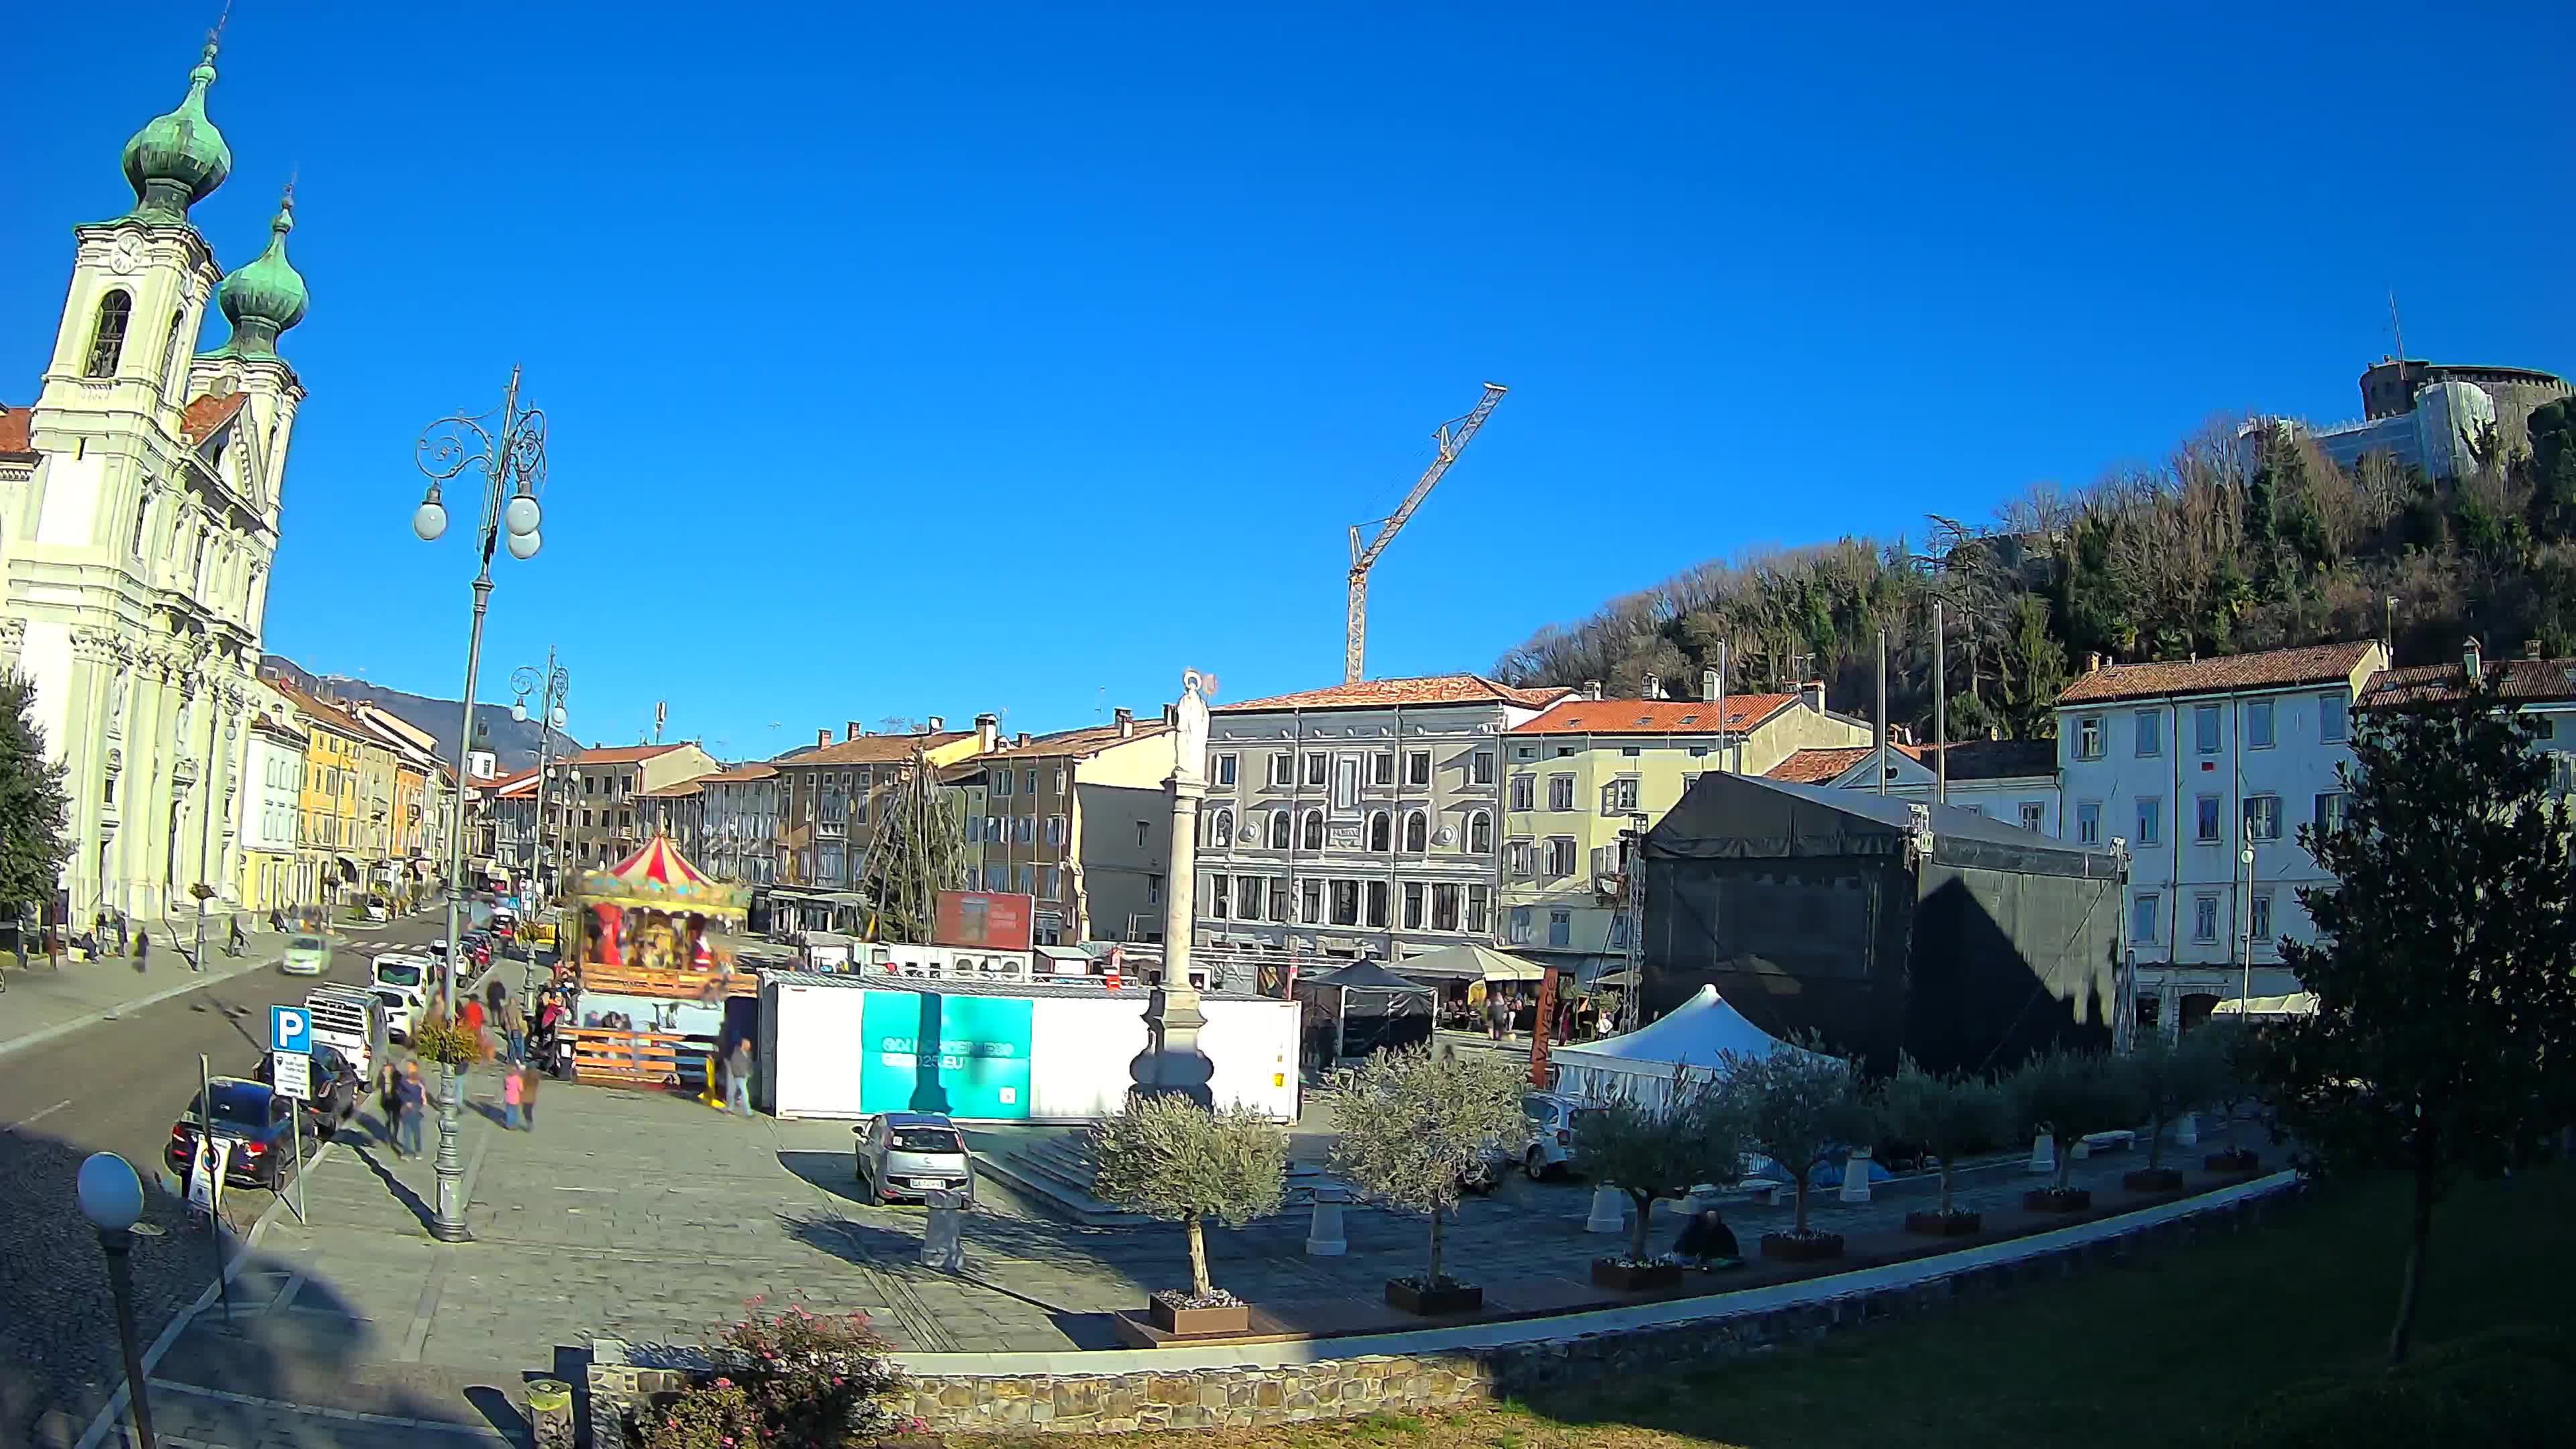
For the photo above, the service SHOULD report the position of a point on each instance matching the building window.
(1413, 905)
(2329, 812)
(1221, 833)
(2330, 717)
(1480, 833)
(1055, 830)
(2034, 815)
(2151, 821)
(1516, 859)
(1417, 768)
(1382, 767)
(2088, 737)
(1024, 829)
(1524, 790)
(2258, 724)
(2204, 729)
(1318, 769)
(1153, 890)
(2151, 733)
(1311, 832)
(1051, 882)
(1024, 880)
(1519, 932)
(2262, 817)
(1480, 768)
(1224, 770)
(1278, 899)
(1560, 928)
(2205, 820)
(1283, 770)
(2204, 918)
(1560, 792)
(2259, 918)
(1218, 897)
(1029, 780)
(1560, 857)
(1310, 902)
(1417, 831)
(1279, 830)
(993, 829)
(1480, 908)
(107, 334)
(1346, 782)
(1377, 903)
(2088, 822)
(1444, 906)
(1619, 797)
(1381, 831)
(1002, 782)
(1055, 779)
(2142, 920)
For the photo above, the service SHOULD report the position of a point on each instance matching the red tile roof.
(1082, 743)
(2271, 669)
(1992, 759)
(15, 425)
(741, 774)
(622, 754)
(680, 791)
(331, 715)
(1429, 689)
(1823, 767)
(1654, 716)
(871, 750)
(206, 414)
(2532, 680)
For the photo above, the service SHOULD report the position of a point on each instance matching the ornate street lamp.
(551, 687)
(111, 1197)
(508, 447)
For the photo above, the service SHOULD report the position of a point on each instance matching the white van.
(352, 1019)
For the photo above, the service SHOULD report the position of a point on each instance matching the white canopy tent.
(1469, 963)
(1639, 1064)
(2297, 1003)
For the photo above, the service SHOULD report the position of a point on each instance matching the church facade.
(139, 508)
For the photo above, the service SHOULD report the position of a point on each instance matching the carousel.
(655, 922)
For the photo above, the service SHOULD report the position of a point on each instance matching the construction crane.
(1451, 438)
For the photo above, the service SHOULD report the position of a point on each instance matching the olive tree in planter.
(2171, 1078)
(1948, 1117)
(2070, 1096)
(2226, 1048)
(1413, 1124)
(1169, 1158)
(1799, 1105)
(1659, 1151)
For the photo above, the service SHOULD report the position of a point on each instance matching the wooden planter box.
(2051, 1200)
(1620, 1278)
(1432, 1302)
(2152, 1179)
(1815, 1247)
(2236, 1160)
(1944, 1225)
(1199, 1322)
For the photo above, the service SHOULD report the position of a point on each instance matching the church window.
(107, 339)
(142, 522)
(170, 355)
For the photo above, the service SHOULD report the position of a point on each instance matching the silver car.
(904, 1155)
(1548, 1150)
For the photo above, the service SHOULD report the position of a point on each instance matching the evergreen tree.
(2034, 670)
(2552, 469)
(33, 807)
(2444, 964)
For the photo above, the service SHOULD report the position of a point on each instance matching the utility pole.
(1880, 784)
(1940, 709)
(1451, 438)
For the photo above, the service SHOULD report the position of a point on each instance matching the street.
(117, 1085)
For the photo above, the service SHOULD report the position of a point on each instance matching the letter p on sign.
(290, 1029)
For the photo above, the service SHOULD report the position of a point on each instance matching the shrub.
(1799, 1105)
(2505, 1386)
(1173, 1159)
(1695, 1135)
(1413, 1122)
(1948, 1117)
(2070, 1096)
(447, 1043)
(789, 1380)
(2174, 1077)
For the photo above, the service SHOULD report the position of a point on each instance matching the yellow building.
(1578, 775)
(340, 829)
(267, 827)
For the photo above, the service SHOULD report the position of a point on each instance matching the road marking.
(39, 1117)
(355, 1416)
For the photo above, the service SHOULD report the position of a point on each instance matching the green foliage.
(1171, 1159)
(1411, 1122)
(1949, 1117)
(1798, 1105)
(2507, 1385)
(2444, 962)
(791, 1380)
(2034, 670)
(447, 1043)
(2174, 1076)
(2072, 1095)
(2551, 470)
(1695, 1134)
(32, 805)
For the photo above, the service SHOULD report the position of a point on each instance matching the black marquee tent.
(1885, 925)
(1362, 1008)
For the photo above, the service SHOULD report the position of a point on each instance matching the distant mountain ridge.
(513, 742)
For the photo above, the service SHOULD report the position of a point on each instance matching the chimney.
(852, 728)
(2531, 647)
(822, 738)
(936, 724)
(2093, 662)
(1654, 687)
(2469, 660)
(1591, 689)
(988, 732)
(1172, 716)
(1813, 692)
(1708, 684)
(1022, 740)
(1126, 719)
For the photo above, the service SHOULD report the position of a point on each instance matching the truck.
(354, 1020)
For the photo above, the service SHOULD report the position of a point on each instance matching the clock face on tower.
(127, 256)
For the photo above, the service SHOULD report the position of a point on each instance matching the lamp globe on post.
(111, 1197)
(523, 545)
(429, 520)
(519, 711)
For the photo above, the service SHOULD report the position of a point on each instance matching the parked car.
(307, 954)
(258, 1122)
(406, 972)
(337, 1087)
(908, 1154)
(1553, 1122)
(378, 909)
(403, 1012)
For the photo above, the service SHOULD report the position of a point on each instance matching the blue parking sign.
(290, 1029)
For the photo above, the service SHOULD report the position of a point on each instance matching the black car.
(255, 1120)
(335, 1084)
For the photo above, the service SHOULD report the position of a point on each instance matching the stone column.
(1171, 1064)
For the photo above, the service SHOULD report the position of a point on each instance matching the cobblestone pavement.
(651, 1218)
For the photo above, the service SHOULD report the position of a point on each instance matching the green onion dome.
(266, 297)
(175, 160)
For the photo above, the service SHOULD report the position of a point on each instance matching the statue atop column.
(1171, 1064)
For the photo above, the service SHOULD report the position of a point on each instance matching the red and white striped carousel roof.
(659, 863)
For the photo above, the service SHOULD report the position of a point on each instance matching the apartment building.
(268, 823)
(1363, 820)
(2544, 689)
(2206, 768)
(340, 828)
(1079, 819)
(738, 825)
(608, 818)
(1587, 769)
(830, 798)
(2014, 781)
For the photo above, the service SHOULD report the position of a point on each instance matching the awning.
(1469, 963)
(2297, 1003)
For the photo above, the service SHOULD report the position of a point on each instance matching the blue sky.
(923, 360)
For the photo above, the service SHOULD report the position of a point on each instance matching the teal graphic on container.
(967, 1056)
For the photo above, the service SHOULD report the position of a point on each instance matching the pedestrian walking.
(1498, 1015)
(529, 1077)
(514, 1028)
(470, 1017)
(142, 948)
(513, 1092)
(122, 932)
(738, 1077)
(413, 1099)
(233, 938)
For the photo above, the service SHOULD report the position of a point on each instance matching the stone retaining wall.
(1379, 1383)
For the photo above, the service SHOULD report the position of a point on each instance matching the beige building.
(830, 798)
(609, 819)
(1079, 819)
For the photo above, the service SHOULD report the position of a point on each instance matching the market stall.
(1694, 1038)
(1361, 1008)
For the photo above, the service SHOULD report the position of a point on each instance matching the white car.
(306, 955)
(407, 973)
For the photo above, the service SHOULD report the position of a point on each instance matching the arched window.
(1381, 835)
(107, 337)
(170, 354)
(1313, 833)
(1221, 833)
(1279, 829)
(142, 521)
(1480, 832)
(1417, 831)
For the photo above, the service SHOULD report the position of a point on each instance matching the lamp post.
(509, 448)
(550, 687)
(2245, 938)
(111, 1197)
